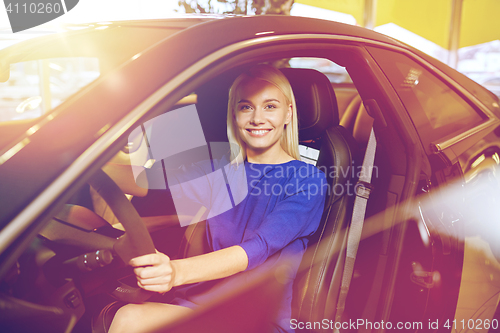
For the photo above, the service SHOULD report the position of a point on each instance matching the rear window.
(335, 73)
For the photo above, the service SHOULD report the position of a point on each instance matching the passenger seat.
(355, 119)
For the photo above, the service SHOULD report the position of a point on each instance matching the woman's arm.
(156, 272)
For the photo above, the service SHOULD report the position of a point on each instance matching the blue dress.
(273, 216)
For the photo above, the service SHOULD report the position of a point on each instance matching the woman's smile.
(258, 133)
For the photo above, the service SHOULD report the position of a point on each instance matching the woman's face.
(261, 113)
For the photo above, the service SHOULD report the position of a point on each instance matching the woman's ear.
(289, 114)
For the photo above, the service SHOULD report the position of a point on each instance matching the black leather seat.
(317, 285)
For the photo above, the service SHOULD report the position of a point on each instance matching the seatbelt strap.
(363, 189)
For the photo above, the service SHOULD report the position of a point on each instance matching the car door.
(449, 123)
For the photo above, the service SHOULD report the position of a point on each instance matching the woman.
(282, 208)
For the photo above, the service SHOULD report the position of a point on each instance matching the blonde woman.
(282, 208)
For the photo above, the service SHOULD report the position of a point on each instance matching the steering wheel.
(135, 242)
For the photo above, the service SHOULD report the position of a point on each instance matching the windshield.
(39, 74)
(35, 87)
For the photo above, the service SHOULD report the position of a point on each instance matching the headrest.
(316, 103)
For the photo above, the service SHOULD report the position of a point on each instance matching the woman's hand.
(154, 272)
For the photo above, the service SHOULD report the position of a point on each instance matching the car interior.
(77, 264)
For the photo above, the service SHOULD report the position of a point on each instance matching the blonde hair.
(290, 139)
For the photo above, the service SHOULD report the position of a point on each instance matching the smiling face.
(261, 113)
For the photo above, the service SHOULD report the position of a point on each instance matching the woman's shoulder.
(304, 169)
(299, 171)
(306, 178)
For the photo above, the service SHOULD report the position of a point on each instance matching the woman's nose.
(257, 117)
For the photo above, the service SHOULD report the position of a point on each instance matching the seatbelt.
(363, 190)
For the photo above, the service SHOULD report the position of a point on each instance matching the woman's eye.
(270, 106)
(245, 107)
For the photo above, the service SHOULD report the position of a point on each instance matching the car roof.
(233, 29)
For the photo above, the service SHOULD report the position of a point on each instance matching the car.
(84, 179)
(492, 85)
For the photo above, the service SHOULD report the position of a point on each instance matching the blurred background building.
(465, 34)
